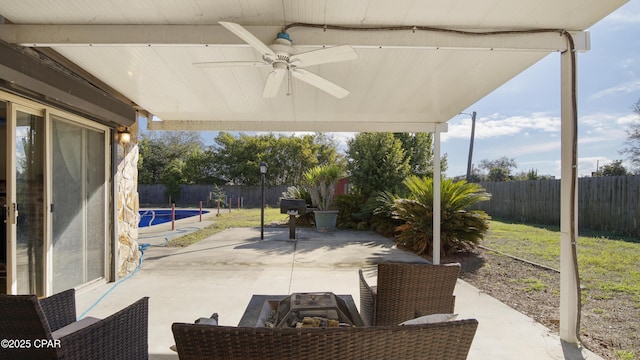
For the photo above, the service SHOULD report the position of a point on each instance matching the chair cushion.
(429, 319)
(74, 326)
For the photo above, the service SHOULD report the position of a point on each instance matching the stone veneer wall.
(127, 205)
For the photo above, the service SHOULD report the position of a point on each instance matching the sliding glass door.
(54, 191)
(78, 204)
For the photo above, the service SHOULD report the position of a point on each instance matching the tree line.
(374, 161)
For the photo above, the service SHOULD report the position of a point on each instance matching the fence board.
(609, 203)
(153, 195)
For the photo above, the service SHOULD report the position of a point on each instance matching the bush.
(460, 228)
(349, 210)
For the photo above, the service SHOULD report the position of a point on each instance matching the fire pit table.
(289, 310)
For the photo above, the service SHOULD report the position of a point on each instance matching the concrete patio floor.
(222, 272)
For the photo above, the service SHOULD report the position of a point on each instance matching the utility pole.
(473, 131)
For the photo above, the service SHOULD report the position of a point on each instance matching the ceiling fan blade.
(213, 64)
(250, 39)
(320, 82)
(274, 80)
(324, 56)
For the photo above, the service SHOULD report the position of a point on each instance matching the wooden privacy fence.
(154, 195)
(609, 203)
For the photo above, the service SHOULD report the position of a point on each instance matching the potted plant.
(321, 182)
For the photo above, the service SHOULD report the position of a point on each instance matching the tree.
(159, 150)
(614, 169)
(163, 156)
(376, 162)
(418, 150)
(237, 159)
(632, 149)
(499, 169)
(199, 168)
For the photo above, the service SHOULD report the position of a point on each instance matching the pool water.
(156, 217)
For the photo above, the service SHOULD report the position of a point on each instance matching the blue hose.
(141, 248)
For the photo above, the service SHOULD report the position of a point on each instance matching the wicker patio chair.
(47, 329)
(445, 340)
(405, 291)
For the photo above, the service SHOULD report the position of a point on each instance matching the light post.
(263, 172)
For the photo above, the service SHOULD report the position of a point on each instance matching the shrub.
(383, 221)
(460, 228)
(349, 207)
(321, 184)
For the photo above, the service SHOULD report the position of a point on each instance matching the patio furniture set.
(396, 321)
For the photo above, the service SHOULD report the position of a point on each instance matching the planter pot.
(326, 220)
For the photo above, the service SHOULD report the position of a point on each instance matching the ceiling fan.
(285, 59)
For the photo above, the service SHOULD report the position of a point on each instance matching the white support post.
(437, 215)
(568, 283)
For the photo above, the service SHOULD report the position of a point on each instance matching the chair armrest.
(59, 309)
(123, 335)
(367, 301)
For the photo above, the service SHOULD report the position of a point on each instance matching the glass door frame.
(14, 104)
(10, 198)
(13, 209)
(85, 124)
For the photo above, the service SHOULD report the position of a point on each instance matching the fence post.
(173, 216)
(200, 210)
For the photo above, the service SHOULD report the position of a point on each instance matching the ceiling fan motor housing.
(284, 58)
(282, 47)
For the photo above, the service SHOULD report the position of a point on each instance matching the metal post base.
(292, 227)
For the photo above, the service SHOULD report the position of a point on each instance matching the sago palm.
(461, 228)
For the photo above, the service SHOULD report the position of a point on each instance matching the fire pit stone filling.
(322, 309)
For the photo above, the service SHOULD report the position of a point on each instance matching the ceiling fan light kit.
(283, 58)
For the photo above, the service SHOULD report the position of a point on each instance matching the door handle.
(14, 213)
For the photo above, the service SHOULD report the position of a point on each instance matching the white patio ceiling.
(402, 80)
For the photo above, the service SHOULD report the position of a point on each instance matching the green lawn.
(234, 219)
(607, 264)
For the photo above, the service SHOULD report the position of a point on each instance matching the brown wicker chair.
(405, 291)
(122, 335)
(445, 340)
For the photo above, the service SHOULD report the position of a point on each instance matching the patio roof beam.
(23, 73)
(216, 35)
(221, 125)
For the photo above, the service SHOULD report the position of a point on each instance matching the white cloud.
(628, 120)
(496, 126)
(602, 127)
(627, 87)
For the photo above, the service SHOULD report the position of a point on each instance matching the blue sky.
(521, 119)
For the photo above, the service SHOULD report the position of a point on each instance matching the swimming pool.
(156, 217)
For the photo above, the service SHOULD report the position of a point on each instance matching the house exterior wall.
(38, 78)
(128, 204)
